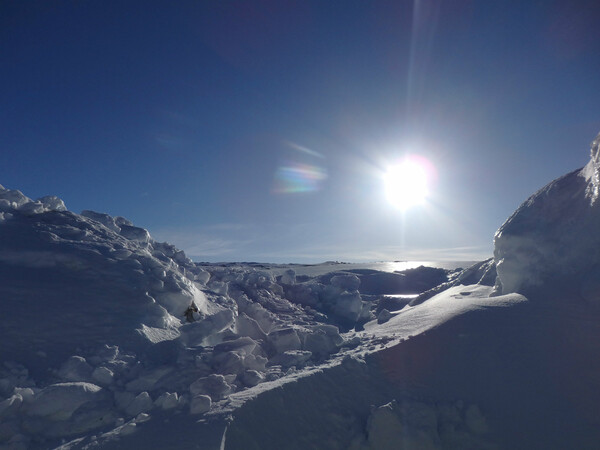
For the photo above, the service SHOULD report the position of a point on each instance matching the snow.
(59, 401)
(113, 340)
(552, 239)
(200, 404)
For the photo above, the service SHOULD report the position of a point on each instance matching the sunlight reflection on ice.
(397, 266)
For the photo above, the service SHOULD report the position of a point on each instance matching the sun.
(406, 184)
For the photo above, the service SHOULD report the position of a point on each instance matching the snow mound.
(104, 328)
(552, 239)
(72, 276)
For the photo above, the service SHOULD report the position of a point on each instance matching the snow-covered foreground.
(113, 340)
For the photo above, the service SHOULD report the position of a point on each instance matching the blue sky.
(260, 130)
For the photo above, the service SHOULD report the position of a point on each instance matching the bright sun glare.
(406, 184)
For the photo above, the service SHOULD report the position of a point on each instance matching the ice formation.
(552, 239)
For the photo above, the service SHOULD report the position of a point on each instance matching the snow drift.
(552, 241)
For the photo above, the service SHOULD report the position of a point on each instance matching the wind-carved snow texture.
(552, 240)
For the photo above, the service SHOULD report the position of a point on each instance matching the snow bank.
(552, 239)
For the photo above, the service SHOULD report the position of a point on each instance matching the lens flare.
(295, 178)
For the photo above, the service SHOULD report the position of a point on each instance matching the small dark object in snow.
(189, 313)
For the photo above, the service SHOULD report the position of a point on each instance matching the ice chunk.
(247, 326)
(202, 276)
(303, 294)
(242, 344)
(255, 362)
(27, 394)
(346, 282)
(105, 354)
(213, 385)
(348, 306)
(219, 287)
(252, 377)
(60, 400)
(220, 320)
(103, 376)
(288, 277)
(14, 198)
(177, 300)
(295, 358)
(121, 221)
(229, 363)
(52, 203)
(263, 317)
(383, 316)
(104, 219)
(75, 368)
(32, 208)
(284, 339)
(200, 404)
(167, 400)
(140, 404)
(135, 233)
(323, 340)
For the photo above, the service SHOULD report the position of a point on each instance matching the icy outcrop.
(552, 239)
(14, 200)
(72, 272)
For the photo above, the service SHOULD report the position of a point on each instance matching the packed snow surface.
(113, 340)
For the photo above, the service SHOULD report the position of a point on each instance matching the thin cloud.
(302, 149)
(208, 242)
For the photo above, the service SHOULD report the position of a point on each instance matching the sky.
(263, 130)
